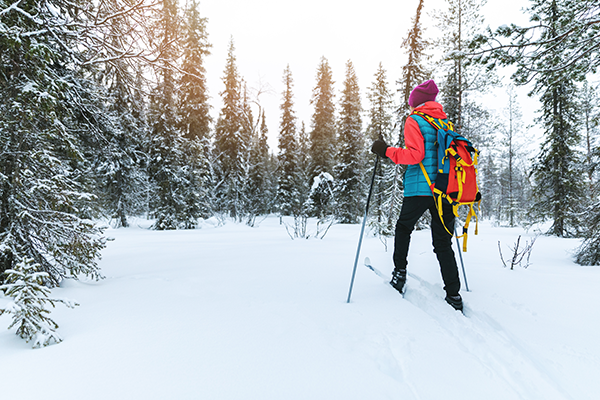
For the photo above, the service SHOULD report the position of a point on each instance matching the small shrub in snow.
(520, 256)
(25, 285)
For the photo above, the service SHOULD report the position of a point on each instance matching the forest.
(105, 115)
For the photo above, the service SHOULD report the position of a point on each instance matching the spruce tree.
(414, 71)
(589, 251)
(118, 165)
(349, 181)
(168, 169)
(288, 195)
(322, 142)
(530, 46)
(194, 104)
(194, 112)
(557, 169)
(259, 192)
(589, 104)
(460, 23)
(52, 120)
(230, 146)
(386, 199)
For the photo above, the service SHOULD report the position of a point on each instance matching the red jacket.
(414, 150)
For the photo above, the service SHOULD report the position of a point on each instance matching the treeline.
(105, 113)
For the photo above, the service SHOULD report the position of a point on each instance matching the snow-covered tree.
(118, 166)
(589, 106)
(322, 140)
(288, 193)
(589, 251)
(168, 170)
(349, 184)
(193, 103)
(530, 47)
(230, 146)
(53, 123)
(459, 24)
(25, 286)
(414, 71)
(557, 171)
(259, 192)
(386, 199)
(194, 112)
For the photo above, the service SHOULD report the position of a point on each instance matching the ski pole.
(461, 260)
(362, 230)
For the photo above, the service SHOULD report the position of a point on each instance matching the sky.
(270, 34)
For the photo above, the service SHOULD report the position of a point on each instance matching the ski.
(388, 278)
(380, 274)
(377, 272)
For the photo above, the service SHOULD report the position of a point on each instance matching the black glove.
(379, 147)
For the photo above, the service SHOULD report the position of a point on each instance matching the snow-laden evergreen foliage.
(46, 129)
(288, 171)
(168, 168)
(577, 33)
(259, 189)
(322, 137)
(349, 171)
(230, 146)
(56, 133)
(589, 106)
(118, 167)
(193, 108)
(557, 170)
(459, 24)
(25, 286)
(387, 191)
(414, 71)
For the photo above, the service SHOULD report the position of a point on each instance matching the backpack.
(456, 181)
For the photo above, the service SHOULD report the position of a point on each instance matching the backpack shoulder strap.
(437, 123)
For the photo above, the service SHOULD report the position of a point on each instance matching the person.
(420, 146)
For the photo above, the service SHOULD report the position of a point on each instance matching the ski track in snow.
(478, 334)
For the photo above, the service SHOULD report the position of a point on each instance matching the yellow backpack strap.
(426, 175)
(438, 195)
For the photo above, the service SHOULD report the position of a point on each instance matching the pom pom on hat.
(426, 91)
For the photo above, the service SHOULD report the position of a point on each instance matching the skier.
(420, 138)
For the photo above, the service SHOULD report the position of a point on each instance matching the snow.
(233, 312)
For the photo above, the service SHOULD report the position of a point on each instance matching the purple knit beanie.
(426, 91)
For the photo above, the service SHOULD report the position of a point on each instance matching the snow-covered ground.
(233, 312)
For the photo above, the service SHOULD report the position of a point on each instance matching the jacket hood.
(433, 109)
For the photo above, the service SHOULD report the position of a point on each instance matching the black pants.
(412, 209)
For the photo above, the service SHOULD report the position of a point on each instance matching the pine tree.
(589, 104)
(460, 24)
(118, 166)
(230, 146)
(349, 181)
(168, 169)
(52, 121)
(589, 251)
(386, 199)
(288, 195)
(193, 102)
(531, 46)
(322, 142)
(259, 190)
(194, 112)
(556, 170)
(414, 71)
